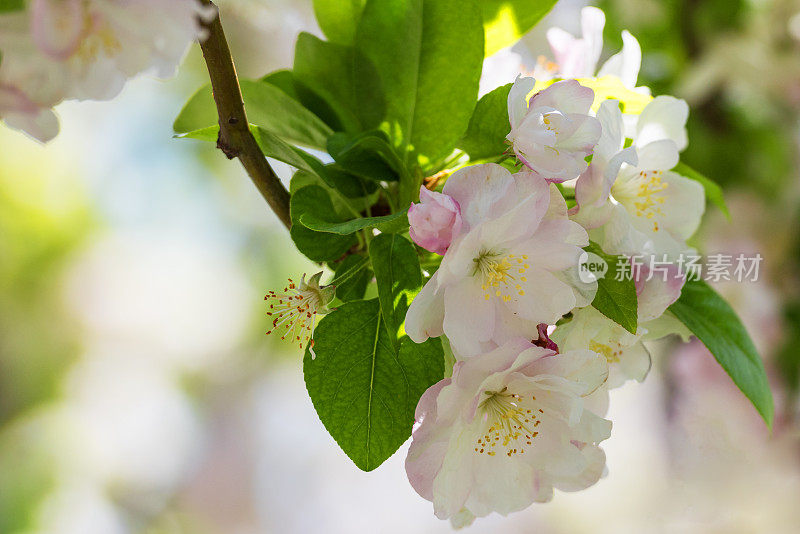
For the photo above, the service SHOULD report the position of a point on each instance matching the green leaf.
(429, 67)
(713, 190)
(271, 145)
(715, 323)
(365, 390)
(339, 18)
(7, 6)
(368, 155)
(351, 278)
(266, 105)
(345, 79)
(489, 126)
(505, 21)
(317, 246)
(353, 226)
(398, 276)
(286, 81)
(616, 299)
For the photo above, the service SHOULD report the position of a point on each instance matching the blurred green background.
(139, 394)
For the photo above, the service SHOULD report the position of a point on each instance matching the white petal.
(626, 63)
(663, 118)
(518, 100)
(683, 207)
(426, 313)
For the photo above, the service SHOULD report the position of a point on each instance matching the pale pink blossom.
(434, 220)
(506, 429)
(511, 267)
(552, 133)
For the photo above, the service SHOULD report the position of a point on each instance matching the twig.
(235, 139)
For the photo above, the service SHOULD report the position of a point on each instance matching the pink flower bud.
(434, 221)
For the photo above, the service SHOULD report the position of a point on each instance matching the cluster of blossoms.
(53, 50)
(523, 412)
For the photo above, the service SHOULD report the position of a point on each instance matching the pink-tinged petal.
(469, 317)
(577, 58)
(426, 453)
(425, 315)
(567, 96)
(518, 99)
(656, 291)
(57, 26)
(612, 137)
(435, 221)
(481, 191)
(626, 63)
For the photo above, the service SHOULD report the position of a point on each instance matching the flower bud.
(434, 221)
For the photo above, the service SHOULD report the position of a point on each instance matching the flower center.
(510, 420)
(501, 274)
(646, 195)
(294, 312)
(611, 355)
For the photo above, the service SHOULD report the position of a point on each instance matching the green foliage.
(351, 278)
(267, 106)
(7, 6)
(715, 323)
(430, 91)
(339, 18)
(367, 155)
(505, 21)
(398, 277)
(489, 126)
(616, 299)
(286, 81)
(364, 389)
(353, 226)
(713, 191)
(344, 78)
(317, 246)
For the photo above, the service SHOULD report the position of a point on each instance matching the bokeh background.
(139, 394)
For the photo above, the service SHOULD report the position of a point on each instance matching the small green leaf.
(286, 81)
(715, 323)
(346, 80)
(350, 227)
(339, 19)
(429, 67)
(317, 246)
(489, 126)
(398, 276)
(367, 155)
(364, 389)
(351, 278)
(505, 21)
(616, 299)
(7, 6)
(713, 190)
(266, 105)
(271, 145)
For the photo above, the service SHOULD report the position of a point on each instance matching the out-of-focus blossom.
(506, 429)
(552, 133)
(505, 273)
(434, 220)
(577, 57)
(86, 49)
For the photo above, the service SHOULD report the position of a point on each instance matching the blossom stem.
(235, 139)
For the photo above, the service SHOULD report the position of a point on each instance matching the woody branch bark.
(235, 139)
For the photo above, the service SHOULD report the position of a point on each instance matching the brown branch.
(235, 138)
